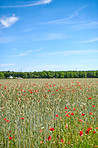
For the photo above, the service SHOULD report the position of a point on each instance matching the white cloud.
(27, 52)
(8, 21)
(24, 53)
(76, 13)
(40, 2)
(83, 25)
(5, 40)
(50, 36)
(4, 65)
(69, 52)
(90, 41)
(59, 67)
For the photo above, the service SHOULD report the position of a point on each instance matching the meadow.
(48, 113)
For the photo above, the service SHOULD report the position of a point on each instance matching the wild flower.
(49, 138)
(51, 129)
(66, 107)
(81, 133)
(10, 138)
(88, 130)
(62, 141)
(57, 115)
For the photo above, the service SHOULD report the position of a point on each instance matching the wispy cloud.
(27, 52)
(90, 41)
(69, 52)
(50, 36)
(83, 25)
(7, 22)
(59, 67)
(40, 2)
(76, 13)
(4, 65)
(5, 40)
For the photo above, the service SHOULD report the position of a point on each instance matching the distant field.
(49, 113)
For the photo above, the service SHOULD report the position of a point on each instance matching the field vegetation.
(48, 113)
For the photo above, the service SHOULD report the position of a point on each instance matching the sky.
(58, 35)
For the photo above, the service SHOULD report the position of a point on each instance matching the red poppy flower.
(40, 131)
(7, 120)
(94, 132)
(80, 120)
(22, 118)
(91, 113)
(88, 130)
(83, 114)
(4, 118)
(81, 133)
(67, 115)
(88, 90)
(89, 98)
(49, 138)
(74, 109)
(62, 140)
(51, 129)
(10, 138)
(93, 105)
(66, 126)
(57, 115)
(66, 107)
(72, 114)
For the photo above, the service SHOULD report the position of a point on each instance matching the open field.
(48, 113)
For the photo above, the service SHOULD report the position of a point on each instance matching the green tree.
(51, 74)
(96, 74)
(25, 75)
(56, 74)
(1, 75)
(61, 74)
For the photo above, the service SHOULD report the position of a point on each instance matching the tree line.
(50, 74)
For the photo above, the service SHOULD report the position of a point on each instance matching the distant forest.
(49, 74)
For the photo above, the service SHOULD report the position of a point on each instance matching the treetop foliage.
(50, 74)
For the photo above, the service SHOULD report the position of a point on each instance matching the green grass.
(28, 109)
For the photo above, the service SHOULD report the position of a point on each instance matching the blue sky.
(37, 35)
